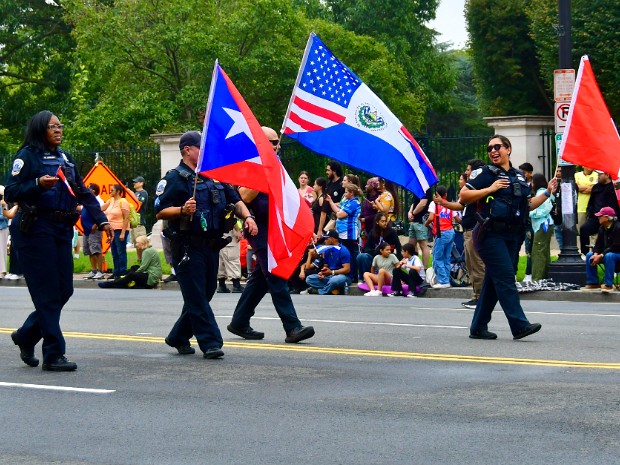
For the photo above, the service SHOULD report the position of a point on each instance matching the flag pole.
(301, 67)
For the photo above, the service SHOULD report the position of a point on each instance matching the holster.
(28, 217)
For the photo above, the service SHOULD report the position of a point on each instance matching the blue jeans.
(609, 261)
(328, 283)
(441, 256)
(364, 262)
(119, 253)
(500, 254)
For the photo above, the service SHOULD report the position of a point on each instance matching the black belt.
(199, 240)
(59, 216)
(501, 226)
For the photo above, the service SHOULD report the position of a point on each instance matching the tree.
(595, 26)
(35, 63)
(505, 65)
(149, 62)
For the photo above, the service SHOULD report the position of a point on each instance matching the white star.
(239, 126)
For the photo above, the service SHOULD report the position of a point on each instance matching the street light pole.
(569, 267)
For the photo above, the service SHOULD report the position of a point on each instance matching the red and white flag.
(63, 178)
(234, 149)
(591, 138)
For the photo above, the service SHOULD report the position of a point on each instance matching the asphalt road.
(384, 381)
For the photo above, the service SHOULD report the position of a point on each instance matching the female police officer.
(42, 231)
(502, 193)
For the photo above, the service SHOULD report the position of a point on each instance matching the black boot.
(236, 286)
(222, 289)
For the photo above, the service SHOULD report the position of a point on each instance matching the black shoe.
(171, 278)
(223, 290)
(106, 284)
(529, 329)
(213, 353)
(313, 290)
(183, 349)
(470, 303)
(26, 353)
(237, 290)
(60, 364)
(246, 333)
(299, 334)
(483, 335)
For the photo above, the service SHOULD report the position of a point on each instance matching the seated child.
(380, 271)
(410, 271)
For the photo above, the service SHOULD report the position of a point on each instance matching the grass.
(82, 264)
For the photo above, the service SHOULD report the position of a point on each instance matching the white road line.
(58, 388)
(350, 322)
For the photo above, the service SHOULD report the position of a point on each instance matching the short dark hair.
(476, 163)
(36, 131)
(95, 188)
(526, 167)
(335, 167)
(409, 248)
(441, 190)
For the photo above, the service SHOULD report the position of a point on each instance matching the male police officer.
(195, 227)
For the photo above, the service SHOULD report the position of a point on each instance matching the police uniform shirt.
(30, 164)
(211, 199)
(509, 204)
(259, 208)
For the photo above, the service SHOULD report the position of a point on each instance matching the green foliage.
(505, 64)
(35, 48)
(595, 25)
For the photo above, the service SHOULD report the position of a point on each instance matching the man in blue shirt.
(334, 273)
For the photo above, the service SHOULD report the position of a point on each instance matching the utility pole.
(569, 267)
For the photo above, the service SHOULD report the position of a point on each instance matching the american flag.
(332, 112)
(323, 92)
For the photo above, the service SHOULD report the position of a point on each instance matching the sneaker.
(373, 293)
(412, 296)
(607, 289)
(527, 278)
(305, 291)
(7, 276)
(98, 275)
(90, 275)
(396, 294)
(441, 286)
(15, 277)
(470, 303)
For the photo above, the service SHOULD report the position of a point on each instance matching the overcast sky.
(450, 23)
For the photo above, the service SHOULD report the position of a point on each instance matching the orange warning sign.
(101, 175)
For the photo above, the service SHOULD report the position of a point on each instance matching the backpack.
(134, 216)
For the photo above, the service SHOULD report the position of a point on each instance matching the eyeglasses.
(495, 147)
(53, 127)
(274, 142)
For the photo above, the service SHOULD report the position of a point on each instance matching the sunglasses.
(274, 142)
(495, 147)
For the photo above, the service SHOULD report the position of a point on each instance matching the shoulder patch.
(474, 174)
(160, 187)
(520, 177)
(18, 164)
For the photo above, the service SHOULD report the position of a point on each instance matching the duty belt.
(501, 226)
(59, 216)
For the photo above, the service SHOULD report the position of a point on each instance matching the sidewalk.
(461, 293)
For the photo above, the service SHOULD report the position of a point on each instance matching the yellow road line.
(360, 352)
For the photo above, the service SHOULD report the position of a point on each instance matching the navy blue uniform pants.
(257, 286)
(46, 260)
(198, 279)
(500, 254)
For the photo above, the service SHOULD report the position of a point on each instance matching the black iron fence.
(126, 164)
(448, 154)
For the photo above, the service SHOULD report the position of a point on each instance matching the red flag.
(62, 177)
(591, 138)
(234, 149)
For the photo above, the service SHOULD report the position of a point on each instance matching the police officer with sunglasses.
(503, 202)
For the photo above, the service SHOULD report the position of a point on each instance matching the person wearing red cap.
(603, 194)
(606, 251)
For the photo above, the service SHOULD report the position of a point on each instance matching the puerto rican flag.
(332, 112)
(235, 150)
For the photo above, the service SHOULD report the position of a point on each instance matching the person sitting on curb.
(146, 275)
(381, 270)
(410, 271)
(335, 265)
(606, 250)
